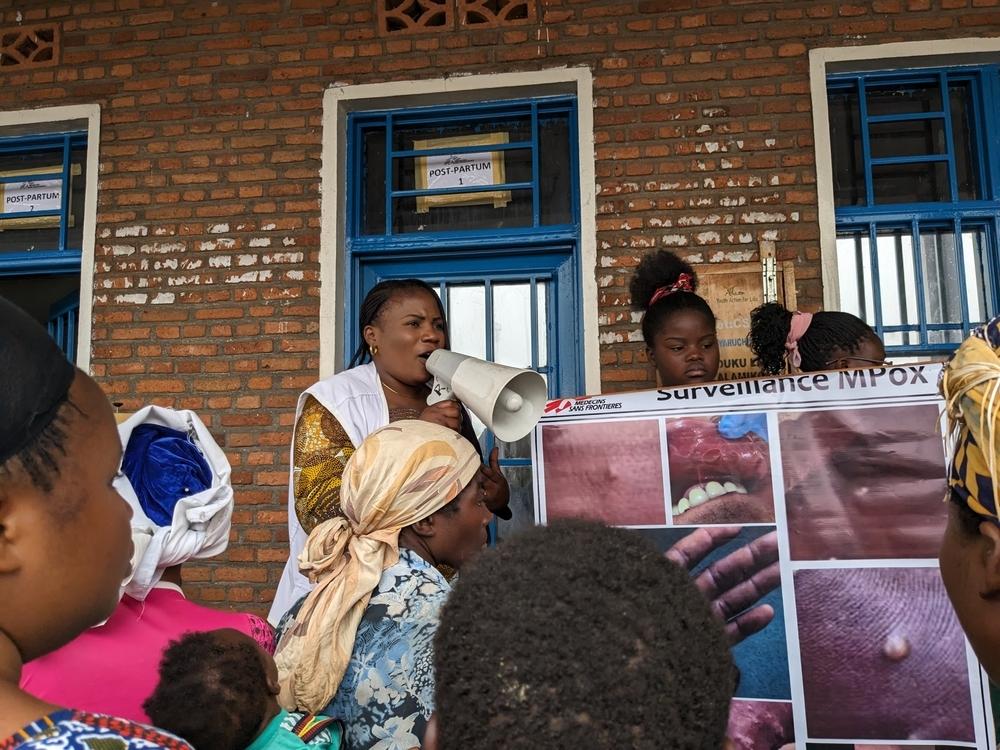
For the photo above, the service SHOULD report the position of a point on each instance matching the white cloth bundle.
(201, 521)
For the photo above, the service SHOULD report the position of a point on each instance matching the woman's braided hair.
(829, 330)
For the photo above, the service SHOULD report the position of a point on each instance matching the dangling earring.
(373, 350)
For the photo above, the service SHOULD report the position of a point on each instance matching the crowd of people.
(553, 638)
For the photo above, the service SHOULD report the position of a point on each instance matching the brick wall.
(206, 283)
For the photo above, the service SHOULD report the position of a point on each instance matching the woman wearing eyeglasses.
(786, 341)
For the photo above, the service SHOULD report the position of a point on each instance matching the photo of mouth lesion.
(720, 470)
(883, 656)
(863, 483)
(760, 725)
(609, 471)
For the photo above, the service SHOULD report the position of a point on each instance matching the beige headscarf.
(401, 474)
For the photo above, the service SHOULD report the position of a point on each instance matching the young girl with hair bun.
(678, 326)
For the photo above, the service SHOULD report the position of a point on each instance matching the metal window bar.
(958, 229)
(918, 272)
(866, 158)
(948, 133)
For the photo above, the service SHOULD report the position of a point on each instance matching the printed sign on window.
(32, 195)
(461, 170)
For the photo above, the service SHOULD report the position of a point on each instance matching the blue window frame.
(502, 253)
(916, 162)
(43, 241)
(64, 320)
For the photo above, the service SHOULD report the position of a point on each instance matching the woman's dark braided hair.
(829, 330)
(657, 270)
(377, 298)
(41, 459)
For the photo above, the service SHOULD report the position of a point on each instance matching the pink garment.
(113, 668)
(796, 330)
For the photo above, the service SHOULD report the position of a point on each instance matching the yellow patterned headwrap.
(970, 384)
(399, 475)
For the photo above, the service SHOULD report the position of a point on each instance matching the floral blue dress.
(387, 694)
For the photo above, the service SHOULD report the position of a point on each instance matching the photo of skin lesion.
(863, 483)
(720, 469)
(609, 471)
(760, 725)
(883, 656)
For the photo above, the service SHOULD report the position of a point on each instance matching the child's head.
(601, 643)
(831, 341)
(678, 326)
(217, 690)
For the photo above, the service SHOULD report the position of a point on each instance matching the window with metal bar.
(492, 166)
(916, 186)
(42, 196)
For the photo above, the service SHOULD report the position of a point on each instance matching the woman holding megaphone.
(400, 322)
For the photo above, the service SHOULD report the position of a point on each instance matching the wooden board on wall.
(733, 290)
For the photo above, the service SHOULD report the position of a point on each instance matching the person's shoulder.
(314, 731)
(81, 730)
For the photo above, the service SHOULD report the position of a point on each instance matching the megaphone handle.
(440, 391)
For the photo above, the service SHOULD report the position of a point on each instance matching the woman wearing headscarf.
(176, 478)
(400, 322)
(64, 535)
(970, 552)
(358, 647)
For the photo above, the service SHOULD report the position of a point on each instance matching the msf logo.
(559, 405)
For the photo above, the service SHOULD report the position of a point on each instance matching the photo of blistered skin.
(609, 471)
(883, 656)
(864, 483)
(720, 470)
(760, 725)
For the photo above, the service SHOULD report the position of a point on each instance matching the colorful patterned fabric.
(399, 475)
(78, 730)
(290, 730)
(321, 452)
(970, 384)
(387, 694)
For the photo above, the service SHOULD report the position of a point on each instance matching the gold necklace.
(389, 387)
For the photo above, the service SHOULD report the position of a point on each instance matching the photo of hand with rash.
(720, 470)
(736, 568)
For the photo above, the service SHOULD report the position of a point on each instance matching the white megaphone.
(509, 401)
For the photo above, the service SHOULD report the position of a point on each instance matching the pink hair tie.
(684, 283)
(800, 323)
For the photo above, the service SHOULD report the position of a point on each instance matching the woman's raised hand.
(446, 413)
(735, 583)
(496, 491)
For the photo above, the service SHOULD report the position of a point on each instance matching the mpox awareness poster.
(810, 508)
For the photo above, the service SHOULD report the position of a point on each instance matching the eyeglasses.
(875, 362)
